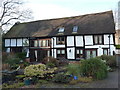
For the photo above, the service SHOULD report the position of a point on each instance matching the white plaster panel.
(7, 42)
(13, 42)
(89, 40)
(79, 40)
(99, 51)
(54, 53)
(71, 53)
(19, 42)
(70, 40)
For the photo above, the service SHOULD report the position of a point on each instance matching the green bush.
(35, 70)
(20, 77)
(94, 67)
(110, 60)
(61, 78)
(39, 70)
(21, 55)
(15, 85)
(117, 46)
(42, 81)
(12, 60)
(50, 65)
(73, 69)
(50, 60)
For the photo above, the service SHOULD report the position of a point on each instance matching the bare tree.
(12, 11)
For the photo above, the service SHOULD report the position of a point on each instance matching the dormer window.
(61, 30)
(75, 28)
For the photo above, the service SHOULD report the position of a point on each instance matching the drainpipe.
(109, 45)
(53, 47)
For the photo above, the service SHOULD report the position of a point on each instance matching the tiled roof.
(97, 23)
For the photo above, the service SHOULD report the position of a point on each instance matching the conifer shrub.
(93, 67)
(39, 70)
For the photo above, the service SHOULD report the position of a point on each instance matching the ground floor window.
(79, 53)
(60, 52)
(91, 53)
(105, 51)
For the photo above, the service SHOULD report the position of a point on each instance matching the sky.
(48, 9)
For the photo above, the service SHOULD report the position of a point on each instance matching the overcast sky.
(47, 9)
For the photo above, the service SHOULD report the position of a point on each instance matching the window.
(98, 39)
(61, 40)
(79, 53)
(35, 43)
(105, 51)
(60, 52)
(25, 42)
(45, 43)
(7, 42)
(91, 53)
(61, 29)
(75, 28)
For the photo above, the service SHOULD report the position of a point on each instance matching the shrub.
(61, 78)
(39, 70)
(94, 67)
(42, 81)
(50, 60)
(63, 61)
(35, 70)
(12, 60)
(21, 55)
(15, 85)
(20, 77)
(73, 69)
(50, 65)
(110, 60)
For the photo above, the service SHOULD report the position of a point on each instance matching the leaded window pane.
(58, 51)
(62, 51)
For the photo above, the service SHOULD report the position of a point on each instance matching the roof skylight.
(61, 29)
(75, 28)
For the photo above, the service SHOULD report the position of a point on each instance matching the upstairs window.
(98, 39)
(61, 30)
(36, 43)
(61, 40)
(42, 43)
(45, 43)
(75, 28)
